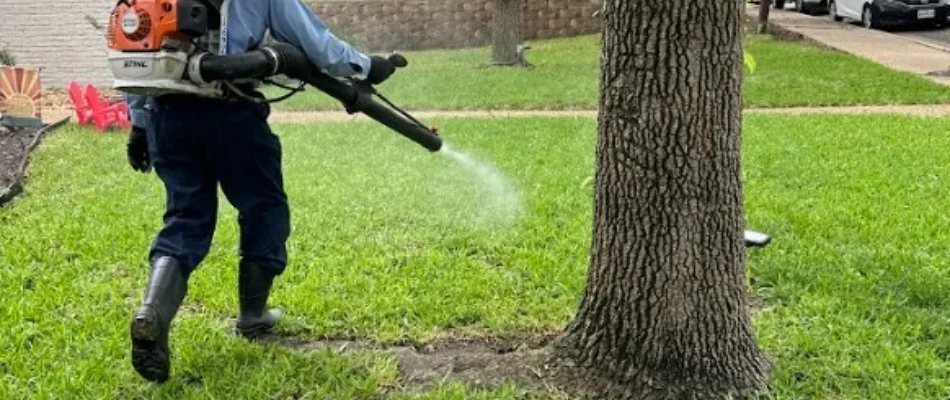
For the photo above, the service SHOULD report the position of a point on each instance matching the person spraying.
(214, 132)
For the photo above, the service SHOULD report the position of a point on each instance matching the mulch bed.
(15, 148)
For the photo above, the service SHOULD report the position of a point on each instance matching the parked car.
(811, 7)
(875, 14)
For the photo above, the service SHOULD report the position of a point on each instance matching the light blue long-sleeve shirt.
(289, 21)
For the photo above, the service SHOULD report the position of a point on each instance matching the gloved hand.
(380, 69)
(137, 150)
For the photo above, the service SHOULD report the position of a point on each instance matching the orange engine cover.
(142, 25)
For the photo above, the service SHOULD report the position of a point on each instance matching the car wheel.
(805, 9)
(800, 7)
(869, 18)
(779, 4)
(833, 11)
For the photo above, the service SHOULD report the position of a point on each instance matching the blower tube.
(285, 59)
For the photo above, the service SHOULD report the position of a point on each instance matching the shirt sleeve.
(293, 22)
(137, 113)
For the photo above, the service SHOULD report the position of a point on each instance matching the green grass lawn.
(567, 72)
(390, 244)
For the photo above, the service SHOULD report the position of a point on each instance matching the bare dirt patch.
(14, 144)
(15, 148)
(479, 363)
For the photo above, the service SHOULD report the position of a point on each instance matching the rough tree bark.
(507, 32)
(763, 24)
(665, 312)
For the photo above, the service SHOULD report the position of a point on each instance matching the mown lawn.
(566, 76)
(389, 244)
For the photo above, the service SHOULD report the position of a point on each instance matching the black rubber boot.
(164, 294)
(254, 284)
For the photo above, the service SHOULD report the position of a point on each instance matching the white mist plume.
(499, 201)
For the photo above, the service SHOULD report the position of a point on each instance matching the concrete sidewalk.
(303, 117)
(922, 110)
(896, 52)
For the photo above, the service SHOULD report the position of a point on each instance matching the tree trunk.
(764, 6)
(665, 312)
(506, 32)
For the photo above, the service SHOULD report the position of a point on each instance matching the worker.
(195, 143)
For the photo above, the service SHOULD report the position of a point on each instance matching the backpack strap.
(215, 4)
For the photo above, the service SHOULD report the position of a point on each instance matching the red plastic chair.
(104, 114)
(83, 113)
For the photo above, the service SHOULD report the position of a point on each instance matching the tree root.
(520, 60)
(518, 63)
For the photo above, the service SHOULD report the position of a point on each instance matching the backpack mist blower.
(153, 50)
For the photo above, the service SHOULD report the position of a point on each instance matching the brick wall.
(65, 44)
(58, 38)
(425, 24)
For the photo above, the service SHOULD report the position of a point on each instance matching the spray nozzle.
(398, 60)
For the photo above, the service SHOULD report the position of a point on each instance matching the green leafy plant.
(749, 61)
(6, 58)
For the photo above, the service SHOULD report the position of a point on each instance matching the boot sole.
(149, 354)
(255, 331)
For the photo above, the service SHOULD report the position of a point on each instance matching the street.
(940, 36)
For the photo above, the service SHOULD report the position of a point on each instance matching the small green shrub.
(6, 58)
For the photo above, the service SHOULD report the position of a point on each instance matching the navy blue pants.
(196, 144)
